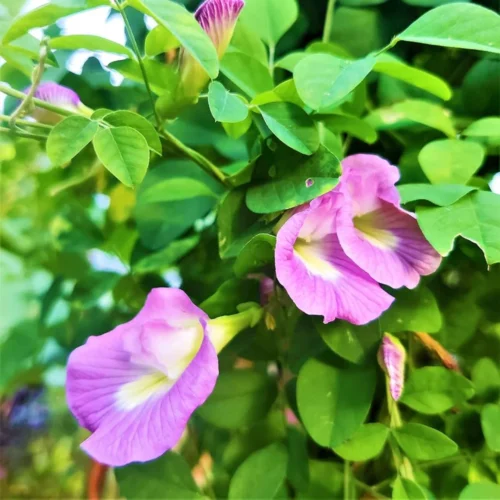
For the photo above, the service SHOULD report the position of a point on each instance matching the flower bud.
(218, 19)
(392, 357)
(61, 96)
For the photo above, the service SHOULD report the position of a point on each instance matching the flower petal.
(319, 277)
(388, 244)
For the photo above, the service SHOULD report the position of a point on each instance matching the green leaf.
(414, 311)
(159, 40)
(240, 398)
(405, 489)
(247, 73)
(334, 402)
(257, 253)
(270, 19)
(29, 46)
(261, 474)
(160, 223)
(89, 42)
(485, 127)
(475, 217)
(389, 65)
(351, 125)
(177, 188)
(462, 25)
(480, 491)
(45, 15)
(158, 261)
(490, 417)
(442, 195)
(167, 477)
(124, 118)
(298, 459)
(450, 161)
(486, 378)
(351, 342)
(308, 178)
(124, 152)
(323, 80)
(182, 24)
(435, 389)
(69, 137)
(291, 125)
(366, 443)
(407, 113)
(421, 442)
(225, 106)
(248, 42)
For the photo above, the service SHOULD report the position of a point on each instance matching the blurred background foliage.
(79, 252)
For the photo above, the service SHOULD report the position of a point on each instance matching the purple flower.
(333, 252)
(315, 271)
(61, 96)
(135, 387)
(392, 357)
(218, 19)
(373, 229)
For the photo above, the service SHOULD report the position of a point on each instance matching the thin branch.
(137, 52)
(5, 89)
(327, 28)
(26, 123)
(25, 135)
(26, 103)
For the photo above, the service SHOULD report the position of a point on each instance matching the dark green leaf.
(366, 443)
(258, 252)
(333, 402)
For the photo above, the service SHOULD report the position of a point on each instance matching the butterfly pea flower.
(218, 19)
(135, 387)
(59, 95)
(374, 231)
(392, 358)
(315, 271)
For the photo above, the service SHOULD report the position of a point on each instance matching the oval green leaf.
(291, 125)
(449, 161)
(69, 137)
(225, 106)
(89, 42)
(334, 402)
(421, 442)
(124, 152)
(366, 443)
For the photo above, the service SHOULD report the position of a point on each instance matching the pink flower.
(392, 358)
(136, 387)
(61, 96)
(218, 19)
(332, 253)
(373, 229)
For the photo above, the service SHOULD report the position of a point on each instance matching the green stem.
(35, 81)
(25, 135)
(5, 89)
(137, 52)
(27, 123)
(272, 52)
(198, 158)
(347, 480)
(327, 29)
(368, 489)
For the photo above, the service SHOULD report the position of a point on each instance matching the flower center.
(314, 256)
(370, 226)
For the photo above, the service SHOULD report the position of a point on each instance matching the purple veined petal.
(218, 19)
(317, 274)
(136, 387)
(374, 231)
(392, 358)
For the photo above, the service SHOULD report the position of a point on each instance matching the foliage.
(156, 188)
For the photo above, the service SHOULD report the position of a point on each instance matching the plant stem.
(137, 52)
(35, 81)
(198, 158)
(5, 89)
(327, 29)
(347, 480)
(25, 135)
(26, 122)
(369, 489)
